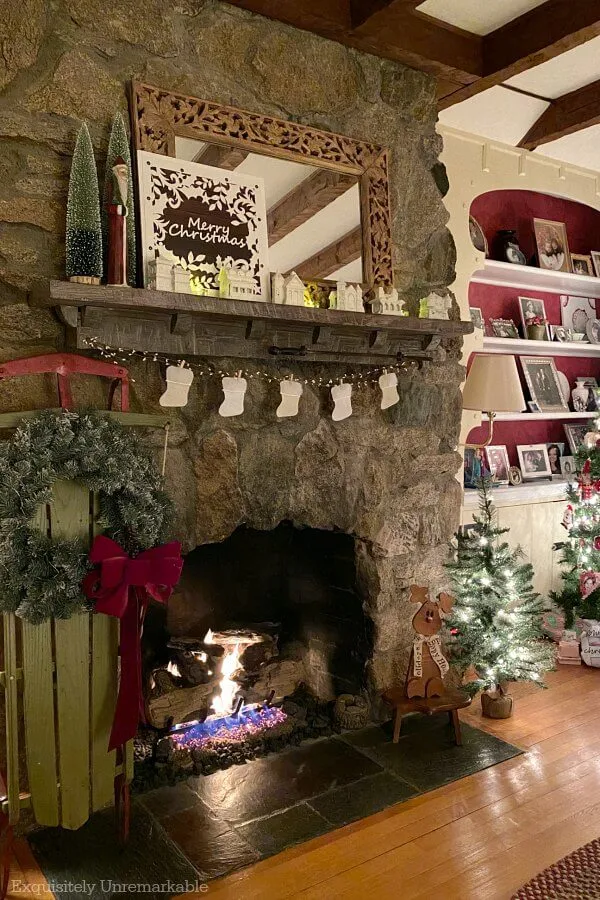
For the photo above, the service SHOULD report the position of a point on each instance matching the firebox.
(255, 619)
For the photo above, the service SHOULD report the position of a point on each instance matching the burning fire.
(173, 669)
(222, 702)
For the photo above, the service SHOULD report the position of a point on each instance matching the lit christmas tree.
(118, 147)
(580, 552)
(84, 236)
(497, 620)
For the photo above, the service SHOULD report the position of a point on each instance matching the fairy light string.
(359, 378)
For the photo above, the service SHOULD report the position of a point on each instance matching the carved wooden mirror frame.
(158, 116)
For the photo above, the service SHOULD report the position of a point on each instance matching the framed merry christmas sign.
(201, 220)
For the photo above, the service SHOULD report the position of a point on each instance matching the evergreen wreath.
(41, 578)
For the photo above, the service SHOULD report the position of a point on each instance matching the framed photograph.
(575, 435)
(552, 245)
(476, 467)
(531, 309)
(555, 454)
(543, 383)
(595, 254)
(202, 219)
(534, 461)
(477, 317)
(560, 333)
(498, 464)
(576, 312)
(478, 238)
(567, 466)
(582, 265)
(504, 328)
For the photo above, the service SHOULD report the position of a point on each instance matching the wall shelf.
(525, 278)
(187, 325)
(543, 416)
(535, 491)
(520, 347)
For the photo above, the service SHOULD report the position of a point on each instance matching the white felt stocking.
(235, 391)
(388, 382)
(291, 391)
(179, 380)
(341, 394)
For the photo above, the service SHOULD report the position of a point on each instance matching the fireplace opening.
(264, 631)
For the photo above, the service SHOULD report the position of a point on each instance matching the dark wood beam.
(221, 156)
(331, 258)
(568, 114)
(361, 10)
(533, 38)
(391, 30)
(302, 202)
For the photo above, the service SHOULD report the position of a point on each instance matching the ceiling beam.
(387, 28)
(304, 201)
(361, 10)
(341, 252)
(221, 156)
(533, 38)
(570, 113)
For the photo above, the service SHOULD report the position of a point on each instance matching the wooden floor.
(479, 838)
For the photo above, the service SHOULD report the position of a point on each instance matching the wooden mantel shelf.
(173, 323)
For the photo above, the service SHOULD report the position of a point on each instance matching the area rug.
(576, 877)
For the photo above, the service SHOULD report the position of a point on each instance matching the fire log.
(178, 705)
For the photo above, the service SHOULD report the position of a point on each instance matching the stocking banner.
(435, 648)
(122, 587)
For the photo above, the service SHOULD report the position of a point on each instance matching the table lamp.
(493, 386)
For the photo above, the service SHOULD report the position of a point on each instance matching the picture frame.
(595, 254)
(556, 451)
(477, 317)
(504, 328)
(560, 333)
(552, 245)
(575, 435)
(531, 307)
(478, 238)
(575, 312)
(567, 466)
(498, 463)
(475, 467)
(203, 219)
(534, 462)
(582, 264)
(542, 380)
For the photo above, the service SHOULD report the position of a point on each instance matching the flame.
(209, 637)
(173, 669)
(222, 701)
(200, 656)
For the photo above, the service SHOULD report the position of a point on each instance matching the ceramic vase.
(579, 396)
(536, 332)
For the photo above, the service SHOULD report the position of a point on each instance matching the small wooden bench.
(450, 703)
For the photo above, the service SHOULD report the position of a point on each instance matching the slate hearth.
(235, 817)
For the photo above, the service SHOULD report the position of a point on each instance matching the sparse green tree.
(83, 233)
(118, 146)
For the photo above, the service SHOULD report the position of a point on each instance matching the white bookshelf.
(543, 416)
(504, 274)
(518, 347)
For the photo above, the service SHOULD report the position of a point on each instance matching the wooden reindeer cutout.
(427, 665)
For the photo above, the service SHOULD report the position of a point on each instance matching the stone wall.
(385, 477)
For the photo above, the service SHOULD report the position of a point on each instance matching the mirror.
(326, 199)
(313, 214)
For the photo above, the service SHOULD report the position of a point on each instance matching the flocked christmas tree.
(580, 551)
(496, 622)
(84, 235)
(118, 146)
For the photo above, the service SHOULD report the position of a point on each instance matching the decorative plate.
(564, 385)
(592, 329)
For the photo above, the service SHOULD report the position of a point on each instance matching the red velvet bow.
(154, 573)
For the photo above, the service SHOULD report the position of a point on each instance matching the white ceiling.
(325, 227)
(497, 114)
(478, 16)
(564, 73)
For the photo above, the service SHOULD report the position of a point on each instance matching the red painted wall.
(517, 209)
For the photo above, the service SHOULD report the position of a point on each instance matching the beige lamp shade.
(493, 385)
